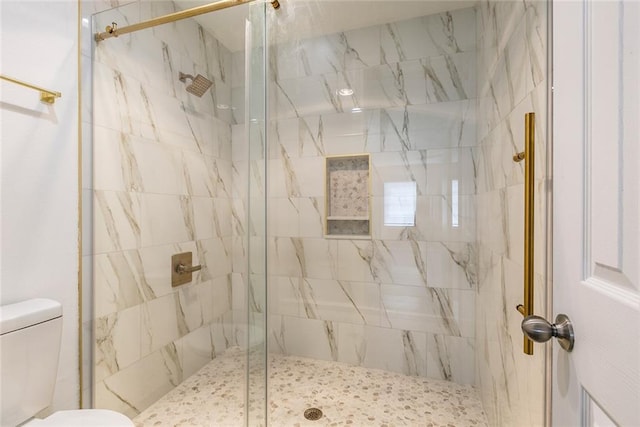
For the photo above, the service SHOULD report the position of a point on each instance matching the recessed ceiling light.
(356, 110)
(345, 91)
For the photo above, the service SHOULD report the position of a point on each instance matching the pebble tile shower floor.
(347, 396)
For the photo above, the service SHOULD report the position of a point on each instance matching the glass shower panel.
(255, 104)
(513, 79)
(433, 94)
(372, 314)
(163, 172)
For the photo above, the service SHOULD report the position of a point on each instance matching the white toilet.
(30, 333)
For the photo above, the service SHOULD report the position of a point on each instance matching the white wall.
(39, 166)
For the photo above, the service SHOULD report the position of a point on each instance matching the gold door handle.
(528, 155)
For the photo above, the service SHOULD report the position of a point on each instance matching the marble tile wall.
(512, 44)
(161, 184)
(404, 299)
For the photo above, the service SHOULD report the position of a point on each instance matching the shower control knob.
(538, 329)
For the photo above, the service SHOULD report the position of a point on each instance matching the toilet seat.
(83, 418)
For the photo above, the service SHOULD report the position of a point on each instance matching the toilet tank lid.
(28, 313)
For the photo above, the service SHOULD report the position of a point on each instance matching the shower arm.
(113, 30)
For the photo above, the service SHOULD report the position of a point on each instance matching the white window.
(400, 204)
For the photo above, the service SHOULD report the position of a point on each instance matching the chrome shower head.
(199, 84)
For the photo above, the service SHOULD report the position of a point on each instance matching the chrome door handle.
(538, 329)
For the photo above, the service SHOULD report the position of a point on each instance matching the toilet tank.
(30, 333)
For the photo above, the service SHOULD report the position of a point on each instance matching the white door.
(596, 260)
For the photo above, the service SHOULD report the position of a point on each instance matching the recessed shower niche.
(347, 192)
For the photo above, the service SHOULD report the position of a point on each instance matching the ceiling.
(310, 18)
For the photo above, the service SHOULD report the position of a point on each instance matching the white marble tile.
(282, 180)
(117, 169)
(239, 292)
(174, 226)
(117, 342)
(197, 350)
(304, 337)
(440, 222)
(354, 260)
(401, 262)
(203, 217)
(119, 282)
(191, 302)
(221, 292)
(514, 221)
(284, 296)
(320, 55)
(159, 167)
(320, 258)
(382, 348)
(332, 300)
(138, 386)
(215, 257)
(117, 221)
(491, 213)
(418, 127)
(451, 265)
(342, 133)
(449, 32)
(451, 170)
(451, 358)
(237, 68)
(312, 214)
(434, 79)
(162, 323)
(286, 256)
(310, 175)
(440, 311)
(304, 96)
(283, 217)
(399, 166)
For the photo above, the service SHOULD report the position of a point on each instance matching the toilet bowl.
(82, 418)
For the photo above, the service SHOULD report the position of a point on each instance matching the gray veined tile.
(440, 311)
(144, 382)
(451, 358)
(433, 35)
(342, 51)
(162, 322)
(440, 125)
(451, 265)
(117, 220)
(117, 342)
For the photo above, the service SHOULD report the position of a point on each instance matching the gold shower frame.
(113, 30)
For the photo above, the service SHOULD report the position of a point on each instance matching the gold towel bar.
(48, 96)
(528, 156)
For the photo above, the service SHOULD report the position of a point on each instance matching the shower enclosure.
(343, 174)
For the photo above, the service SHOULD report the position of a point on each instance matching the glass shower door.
(256, 277)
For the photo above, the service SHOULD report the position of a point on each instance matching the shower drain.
(313, 414)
